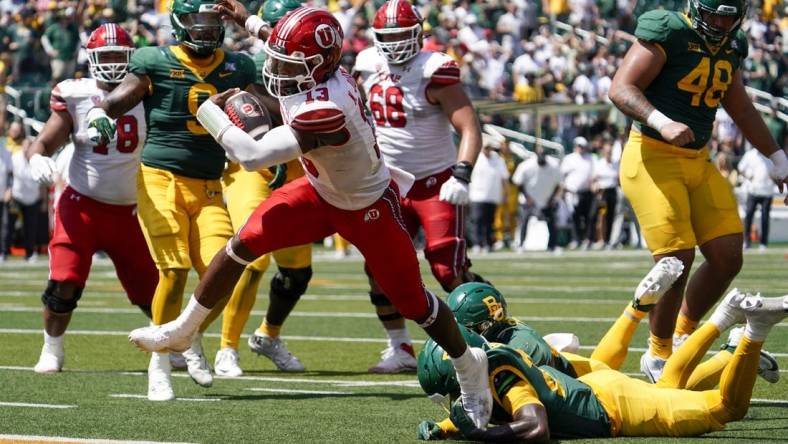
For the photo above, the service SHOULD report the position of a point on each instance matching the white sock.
(160, 360)
(398, 336)
(193, 315)
(463, 365)
(53, 342)
(757, 332)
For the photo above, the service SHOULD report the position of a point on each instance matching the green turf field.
(100, 393)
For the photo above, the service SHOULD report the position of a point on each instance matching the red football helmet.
(303, 50)
(397, 31)
(109, 50)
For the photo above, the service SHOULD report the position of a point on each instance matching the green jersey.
(519, 336)
(573, 410)
(259, 61)
(176, 141)
(695, 76)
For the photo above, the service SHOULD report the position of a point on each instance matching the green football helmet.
(273, 10)
(197, 26)
(435, 370)
(701, 10)
(477, 305)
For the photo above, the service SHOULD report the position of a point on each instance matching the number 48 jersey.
(107, 172)
(413, 133)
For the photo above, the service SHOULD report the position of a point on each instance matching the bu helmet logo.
(325, 36)
(493, 308)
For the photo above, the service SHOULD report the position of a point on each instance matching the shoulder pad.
(440, 68)
(366, 60)
(72, 89)
(657, 25)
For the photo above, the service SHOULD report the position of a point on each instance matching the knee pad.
(291, 283)
(58, 303)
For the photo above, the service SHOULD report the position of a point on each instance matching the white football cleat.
(227, 363)
(563, 342)
(768, 369)
(161, 338)
(159, 384)
(50, 361)
(659, 279)
(678, 340)
(398, 359)
(475, 393)
(275, 350)
(730, 311)
(196, 364)
(763, 313)
(652, 366)
(177, 361)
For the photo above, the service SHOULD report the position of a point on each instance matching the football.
(248, 113)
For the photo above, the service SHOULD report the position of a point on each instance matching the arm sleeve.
(521, 394)
(277, 146)
(447, 427)
(445, 73)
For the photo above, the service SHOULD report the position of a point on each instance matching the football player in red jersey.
(101, 196)
(348, 189)
(416, 98)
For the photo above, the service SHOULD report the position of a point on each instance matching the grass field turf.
(335, 333)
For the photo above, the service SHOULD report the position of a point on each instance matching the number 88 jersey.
(413, 133)
(107, 172)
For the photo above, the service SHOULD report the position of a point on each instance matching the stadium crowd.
(508, 50)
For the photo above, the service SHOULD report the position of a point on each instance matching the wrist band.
(462, 171)
(657, 120)
(254, 24)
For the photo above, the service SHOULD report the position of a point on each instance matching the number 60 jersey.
(108, 172)
(413, 133)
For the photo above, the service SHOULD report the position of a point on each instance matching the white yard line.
(135, 396)
(36, 406)
(294, 391)
(41, 438)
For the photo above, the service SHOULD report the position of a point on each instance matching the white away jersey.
(413, 133)
(350, 175)
(106, 173)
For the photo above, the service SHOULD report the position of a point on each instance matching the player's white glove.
(455, 190)
(42, 169)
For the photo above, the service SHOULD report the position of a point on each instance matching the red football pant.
(84, 226)
(295, 214)
(444, 227)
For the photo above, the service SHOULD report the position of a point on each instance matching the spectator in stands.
(605, 184)
(486, 191)
(759, 186)
(61, 43)
(6, 170)
(26, 195)
(577, 171)
(539, 181)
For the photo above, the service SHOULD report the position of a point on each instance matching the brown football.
(248, 113)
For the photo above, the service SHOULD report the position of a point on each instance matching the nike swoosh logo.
(224, 74)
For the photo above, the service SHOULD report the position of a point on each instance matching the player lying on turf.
(483, 309)
(535, 402)
(348, 189)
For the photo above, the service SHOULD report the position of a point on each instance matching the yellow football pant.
(506, 216)
(679, 197)
(185, 223)
(244, 190)
(637, 408)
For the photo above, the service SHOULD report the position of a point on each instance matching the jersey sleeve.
(441, 70)
(653, 27)
(521, 394)
(142, 61)
(57, 100)
(322, 120)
